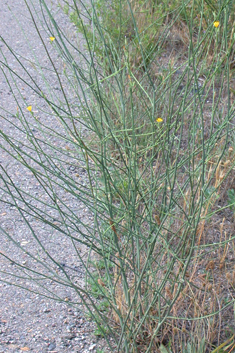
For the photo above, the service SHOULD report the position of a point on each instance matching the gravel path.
(28, 321)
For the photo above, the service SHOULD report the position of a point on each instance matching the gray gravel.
(28, 321)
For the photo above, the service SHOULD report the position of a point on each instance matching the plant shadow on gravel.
(143, 139)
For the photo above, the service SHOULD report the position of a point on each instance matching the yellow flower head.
(29, 108)
(52, 38)
(216, 24)
(159, 120)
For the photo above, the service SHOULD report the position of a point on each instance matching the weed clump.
(157, 104)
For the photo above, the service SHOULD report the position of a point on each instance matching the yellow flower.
(159, 120)
(52, 38)
(29, 108)
(216, 24)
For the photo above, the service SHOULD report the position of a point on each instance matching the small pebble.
(92, 347)
(52, 346)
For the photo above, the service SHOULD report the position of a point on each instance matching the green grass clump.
(154, 83)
